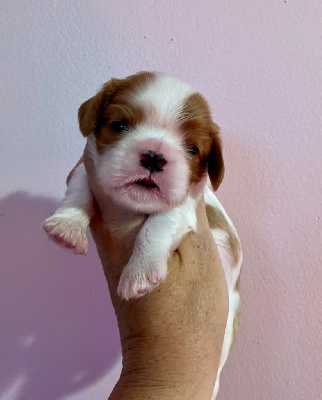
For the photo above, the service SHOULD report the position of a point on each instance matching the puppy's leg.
(160, 234)
(69, 223)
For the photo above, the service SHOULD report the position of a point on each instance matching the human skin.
(171, 338)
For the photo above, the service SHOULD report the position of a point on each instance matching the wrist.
(152, 371)
(138, 387)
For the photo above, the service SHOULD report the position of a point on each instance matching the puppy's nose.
(153, 161)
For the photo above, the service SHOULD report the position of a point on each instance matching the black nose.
(152, 161)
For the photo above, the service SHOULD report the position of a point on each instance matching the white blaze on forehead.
(166, 94)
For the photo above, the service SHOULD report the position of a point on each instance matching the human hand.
(171, 338)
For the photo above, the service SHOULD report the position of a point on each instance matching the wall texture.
(259, 65)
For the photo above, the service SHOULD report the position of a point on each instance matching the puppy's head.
(152, 141)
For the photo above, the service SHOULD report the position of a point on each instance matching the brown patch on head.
(112, 103)
(90, 111)
(195, 106)
(198, 144)
(202, 133)
(128, 115)
(217, 220)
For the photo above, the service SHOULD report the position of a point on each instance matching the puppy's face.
(152, 141)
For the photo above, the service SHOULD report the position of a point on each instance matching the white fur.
(120, 164)
(160, 234)
(69, 223)
(167, 95)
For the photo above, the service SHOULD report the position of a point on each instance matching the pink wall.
(259, 64)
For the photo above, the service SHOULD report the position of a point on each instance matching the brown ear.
(90, 111)
(216, 167)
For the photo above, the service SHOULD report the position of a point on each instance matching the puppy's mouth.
(147, 182)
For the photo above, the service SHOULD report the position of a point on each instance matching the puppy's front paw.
(136, 281)
(68, 233)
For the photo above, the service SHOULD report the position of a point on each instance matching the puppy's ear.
(91, 110)
(216, 167)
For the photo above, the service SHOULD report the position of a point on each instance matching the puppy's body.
(155, 152)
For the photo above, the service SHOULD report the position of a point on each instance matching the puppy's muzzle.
(152, 161)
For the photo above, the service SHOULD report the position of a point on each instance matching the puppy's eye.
(118, 126)
(193, 150)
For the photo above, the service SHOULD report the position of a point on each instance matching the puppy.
(155, 151)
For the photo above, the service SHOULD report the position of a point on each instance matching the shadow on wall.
(58, 329)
